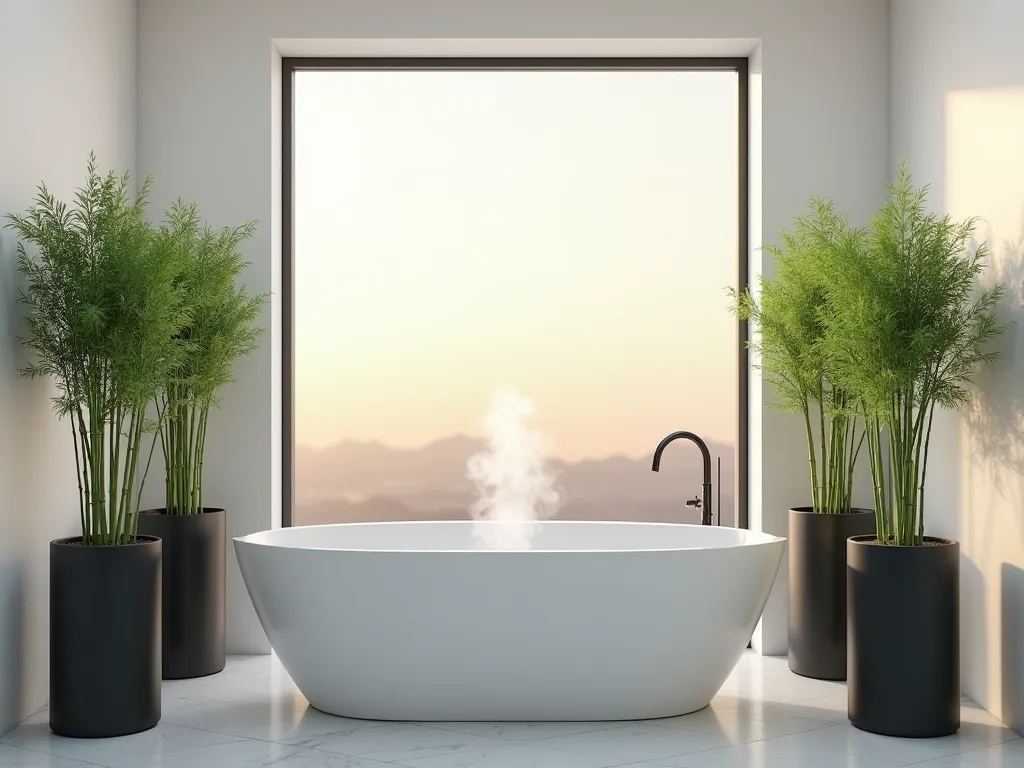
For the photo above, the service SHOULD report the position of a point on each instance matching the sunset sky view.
(566, 234)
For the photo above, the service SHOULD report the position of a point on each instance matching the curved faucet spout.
(705, 504)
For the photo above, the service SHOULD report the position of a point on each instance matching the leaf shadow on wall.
(995, 427)
(996, 419)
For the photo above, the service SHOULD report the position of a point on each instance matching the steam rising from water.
(515, 486)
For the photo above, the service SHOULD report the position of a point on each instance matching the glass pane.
(565, 238)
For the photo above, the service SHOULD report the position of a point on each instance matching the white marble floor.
(251, 716)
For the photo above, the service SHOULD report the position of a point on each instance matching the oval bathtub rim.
(763, 539)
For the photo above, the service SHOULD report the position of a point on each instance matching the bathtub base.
(599, 622)
(503, 711)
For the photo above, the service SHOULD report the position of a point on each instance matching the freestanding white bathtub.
(597, 621)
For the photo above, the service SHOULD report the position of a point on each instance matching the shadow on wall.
(12, 651)
(1012, 662)
(13, 569)
(996, 427)
(996, 420)
(974, 659)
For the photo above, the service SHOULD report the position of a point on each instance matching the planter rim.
(141, 540)
(936, 543)
(163, 511)
(852, 512)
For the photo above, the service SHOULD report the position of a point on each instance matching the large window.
(511, 266)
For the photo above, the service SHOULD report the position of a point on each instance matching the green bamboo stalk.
(204, 416)
(101, 453)
(131, 463)
(815, 488)
(877, 473)
(136, 478)
(924, 471)
(925, 410)
(136, 424)
(172, 457)
(190, 462)
(842, 428)
(96, 450)
(853, 450)
(852, 467)
(115, 498)
(895, 467)
(824, 449)
(183, 461)
(827, 453)
(175, 462)
(145, 472)
(193, 459)
(87, 531)
(869, 432)
(78, 476)
(836, 462)
(910, 483)
(161, 435)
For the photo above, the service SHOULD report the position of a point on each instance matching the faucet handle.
(694, 502)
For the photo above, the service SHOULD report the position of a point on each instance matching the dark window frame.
(291, 65)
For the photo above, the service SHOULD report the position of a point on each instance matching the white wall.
(958, 119)
(208, 73)
(67, 86)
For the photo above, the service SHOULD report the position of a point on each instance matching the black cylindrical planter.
(104, 638)
(193, 590)
(904, 637)
(817, 589)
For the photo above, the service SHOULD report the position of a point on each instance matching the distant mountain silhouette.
(367, 481)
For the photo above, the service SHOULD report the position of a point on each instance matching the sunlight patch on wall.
(985, 178)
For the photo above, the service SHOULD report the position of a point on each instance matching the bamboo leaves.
(906, 332)
(221, 328)
(882, 324)
(788, 315)
(122, 314)
(103, 319)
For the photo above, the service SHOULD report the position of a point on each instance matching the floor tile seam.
(371, 760)
(232, 739)
(590, 732)
(528, 740)
(75, 761)
(236, 738)
(292, 741)
(946, 755)
(965, 752)
(760, 738)
(933, 760)
(321, 751)
(417, 724)
(656, 759)
(625, 764)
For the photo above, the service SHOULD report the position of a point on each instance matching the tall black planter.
(904, 637)
(817, 589)
(104, 638)
(193, 590)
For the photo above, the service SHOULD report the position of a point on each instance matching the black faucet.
(704, 505)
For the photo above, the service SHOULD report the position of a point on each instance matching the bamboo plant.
(220, 330)
(103, 321)
(906, 331)
(789, 333)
